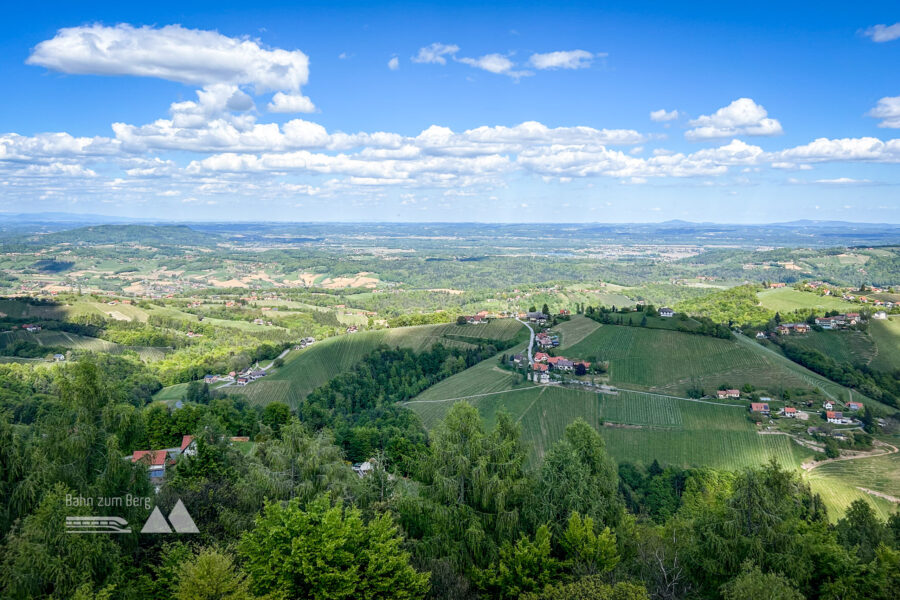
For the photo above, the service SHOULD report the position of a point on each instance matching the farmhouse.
(155, 460)
(728, 394)
(539, 367)
(790, 411)
(666, 312)
(536, 317)
(834, 417)
(760, 407)
(31, 328)
(828, 405)
(855, 405)
(188, 446)
(541, 357)
(242, 380)
(59, 357)
(541, 377)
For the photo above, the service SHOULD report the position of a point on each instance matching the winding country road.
(530, 341)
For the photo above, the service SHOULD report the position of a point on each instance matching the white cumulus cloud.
(562, 59)
(394, 64)
(887, 109)
(494, 63)
(883, 33)
(435, 53)
(741, 117)
(663, 115)
(291, 103)
(190, 56)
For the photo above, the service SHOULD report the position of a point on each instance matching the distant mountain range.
(95, 219)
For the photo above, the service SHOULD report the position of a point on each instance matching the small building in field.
(828, 405)
(242, 380)
(760, 407)
(728, 394)
(855, 406)
(880, 315)
(834, 417)
(667, 312)
(59, 357)
(790, 411)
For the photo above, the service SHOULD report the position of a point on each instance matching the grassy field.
(788, 299)
(661, 360)
(77, 342)
(307, 369)
(886, 335)
(573, 331)
(838, 483)
(843, 346)
(636, 426)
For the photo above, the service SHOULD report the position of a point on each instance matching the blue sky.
(406, 111)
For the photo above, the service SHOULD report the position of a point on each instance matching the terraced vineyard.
(656, 359)
(307, 369)
(636, 426)
(886, 335)
(77, 342)
(573, 331)
(843, 346)
(838, 483)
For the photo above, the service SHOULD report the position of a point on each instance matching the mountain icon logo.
(179, 519)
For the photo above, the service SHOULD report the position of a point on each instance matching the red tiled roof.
(829, 414)
(154, 458)
(186, 441)
(789, 409)
(758, 406)
(539, 367)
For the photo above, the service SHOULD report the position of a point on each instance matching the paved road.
(530, 342)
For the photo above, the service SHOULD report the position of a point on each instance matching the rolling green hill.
(307, 369)
(77, 342)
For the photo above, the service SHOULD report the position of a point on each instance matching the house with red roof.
(855, 405)
(155, 460)
(540, 367)
(728, 394)
(834, 417)
(541, 357)
(760, 407)
(790, 411)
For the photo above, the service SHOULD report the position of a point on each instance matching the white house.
(828, 405)
(666, 312)
(880, 315)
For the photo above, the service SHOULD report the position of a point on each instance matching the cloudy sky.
(565, 112)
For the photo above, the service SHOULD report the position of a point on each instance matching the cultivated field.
(636, 426)
(573, 331)
(77, 342)
(886, 335)
(850, 347)
(788, 299)
(838, 483)
(661, 360)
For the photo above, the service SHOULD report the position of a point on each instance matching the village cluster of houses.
(837, 417)
(544, 363)
(834, 322)
(546, 340)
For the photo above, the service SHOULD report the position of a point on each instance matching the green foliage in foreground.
(324, 552)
